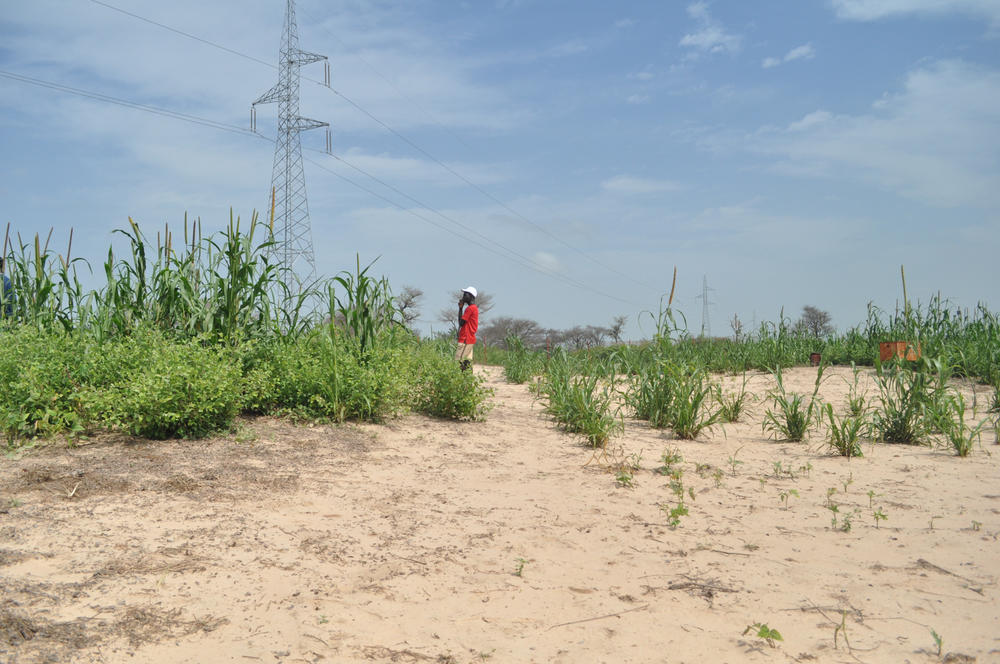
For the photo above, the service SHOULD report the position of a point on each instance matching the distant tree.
(617, 328)
(496, 331)
(815, 322)
(580, 337)
(408, 304)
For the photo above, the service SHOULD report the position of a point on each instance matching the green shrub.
(447, 391)
(186, 391)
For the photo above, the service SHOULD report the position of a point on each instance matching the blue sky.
(793, 153)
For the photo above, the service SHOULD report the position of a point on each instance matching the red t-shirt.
(467, 333)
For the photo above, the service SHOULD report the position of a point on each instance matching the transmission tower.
(706, 325)
(288, 209)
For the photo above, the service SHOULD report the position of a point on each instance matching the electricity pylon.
(706, 324)
(288, 208)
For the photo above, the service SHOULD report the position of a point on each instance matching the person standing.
(468, 324)
(7, 294)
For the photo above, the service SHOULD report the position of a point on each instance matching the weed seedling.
(691, 493)
(834, 510)
(879, 515)
(717, 476)
(763, 481)
(841, 629)
(848, 482)
(519, 567)
(678, 488)
(777, 468)
(938, 641)
(785, 494)
(871, 496)
(829, 495)
(624, 478)
(733, 462)
(845, 523)
(674, 514)
(762, 631)
(669, 459)
(805, 469)
(976, 526)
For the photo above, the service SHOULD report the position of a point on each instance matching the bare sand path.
(432, 541)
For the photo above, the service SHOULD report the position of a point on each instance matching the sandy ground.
(433, 541)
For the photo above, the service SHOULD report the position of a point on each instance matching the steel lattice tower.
(288, 209)
(706, 324)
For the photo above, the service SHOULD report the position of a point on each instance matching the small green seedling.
(938, 641)
(777, 468)
(519, 567)
(733, 461)
(805, 469)
(717, 476)
(702, 469)
(763, 481)
(624, 478)
(678, 488)
(879, 515)
(845, 523)
(691, 493)
(848, 482)
(785, 494)
(834, 510)
(977, 525)
(762, 631)
(674, 514)
(669, 459)
(871, 496)
(841, 629)
(829, 495)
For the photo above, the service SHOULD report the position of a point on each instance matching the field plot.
(436, 541)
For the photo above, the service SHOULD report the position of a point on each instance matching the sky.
(561, 155)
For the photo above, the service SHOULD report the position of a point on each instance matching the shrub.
(446, 391)
(186, 391)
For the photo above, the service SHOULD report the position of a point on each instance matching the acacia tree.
(408, 303)
(617, 328)
(814, 321)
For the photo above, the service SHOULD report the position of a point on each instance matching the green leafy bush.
(186, 391)
(446, 391)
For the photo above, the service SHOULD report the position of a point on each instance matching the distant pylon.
(706, 325)
(287, 206)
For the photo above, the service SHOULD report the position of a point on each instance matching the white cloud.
(871, 10)
(936, 141)
(804, 52)
(637, 99)
(641, 76)
(547, 262)
(711, 36)
(625, 23)
(626, 184)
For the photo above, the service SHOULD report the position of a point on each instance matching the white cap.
(471, 291)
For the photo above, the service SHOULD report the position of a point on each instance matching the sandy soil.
(432, 541)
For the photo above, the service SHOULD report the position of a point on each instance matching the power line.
(513, 256)
(401, 137)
